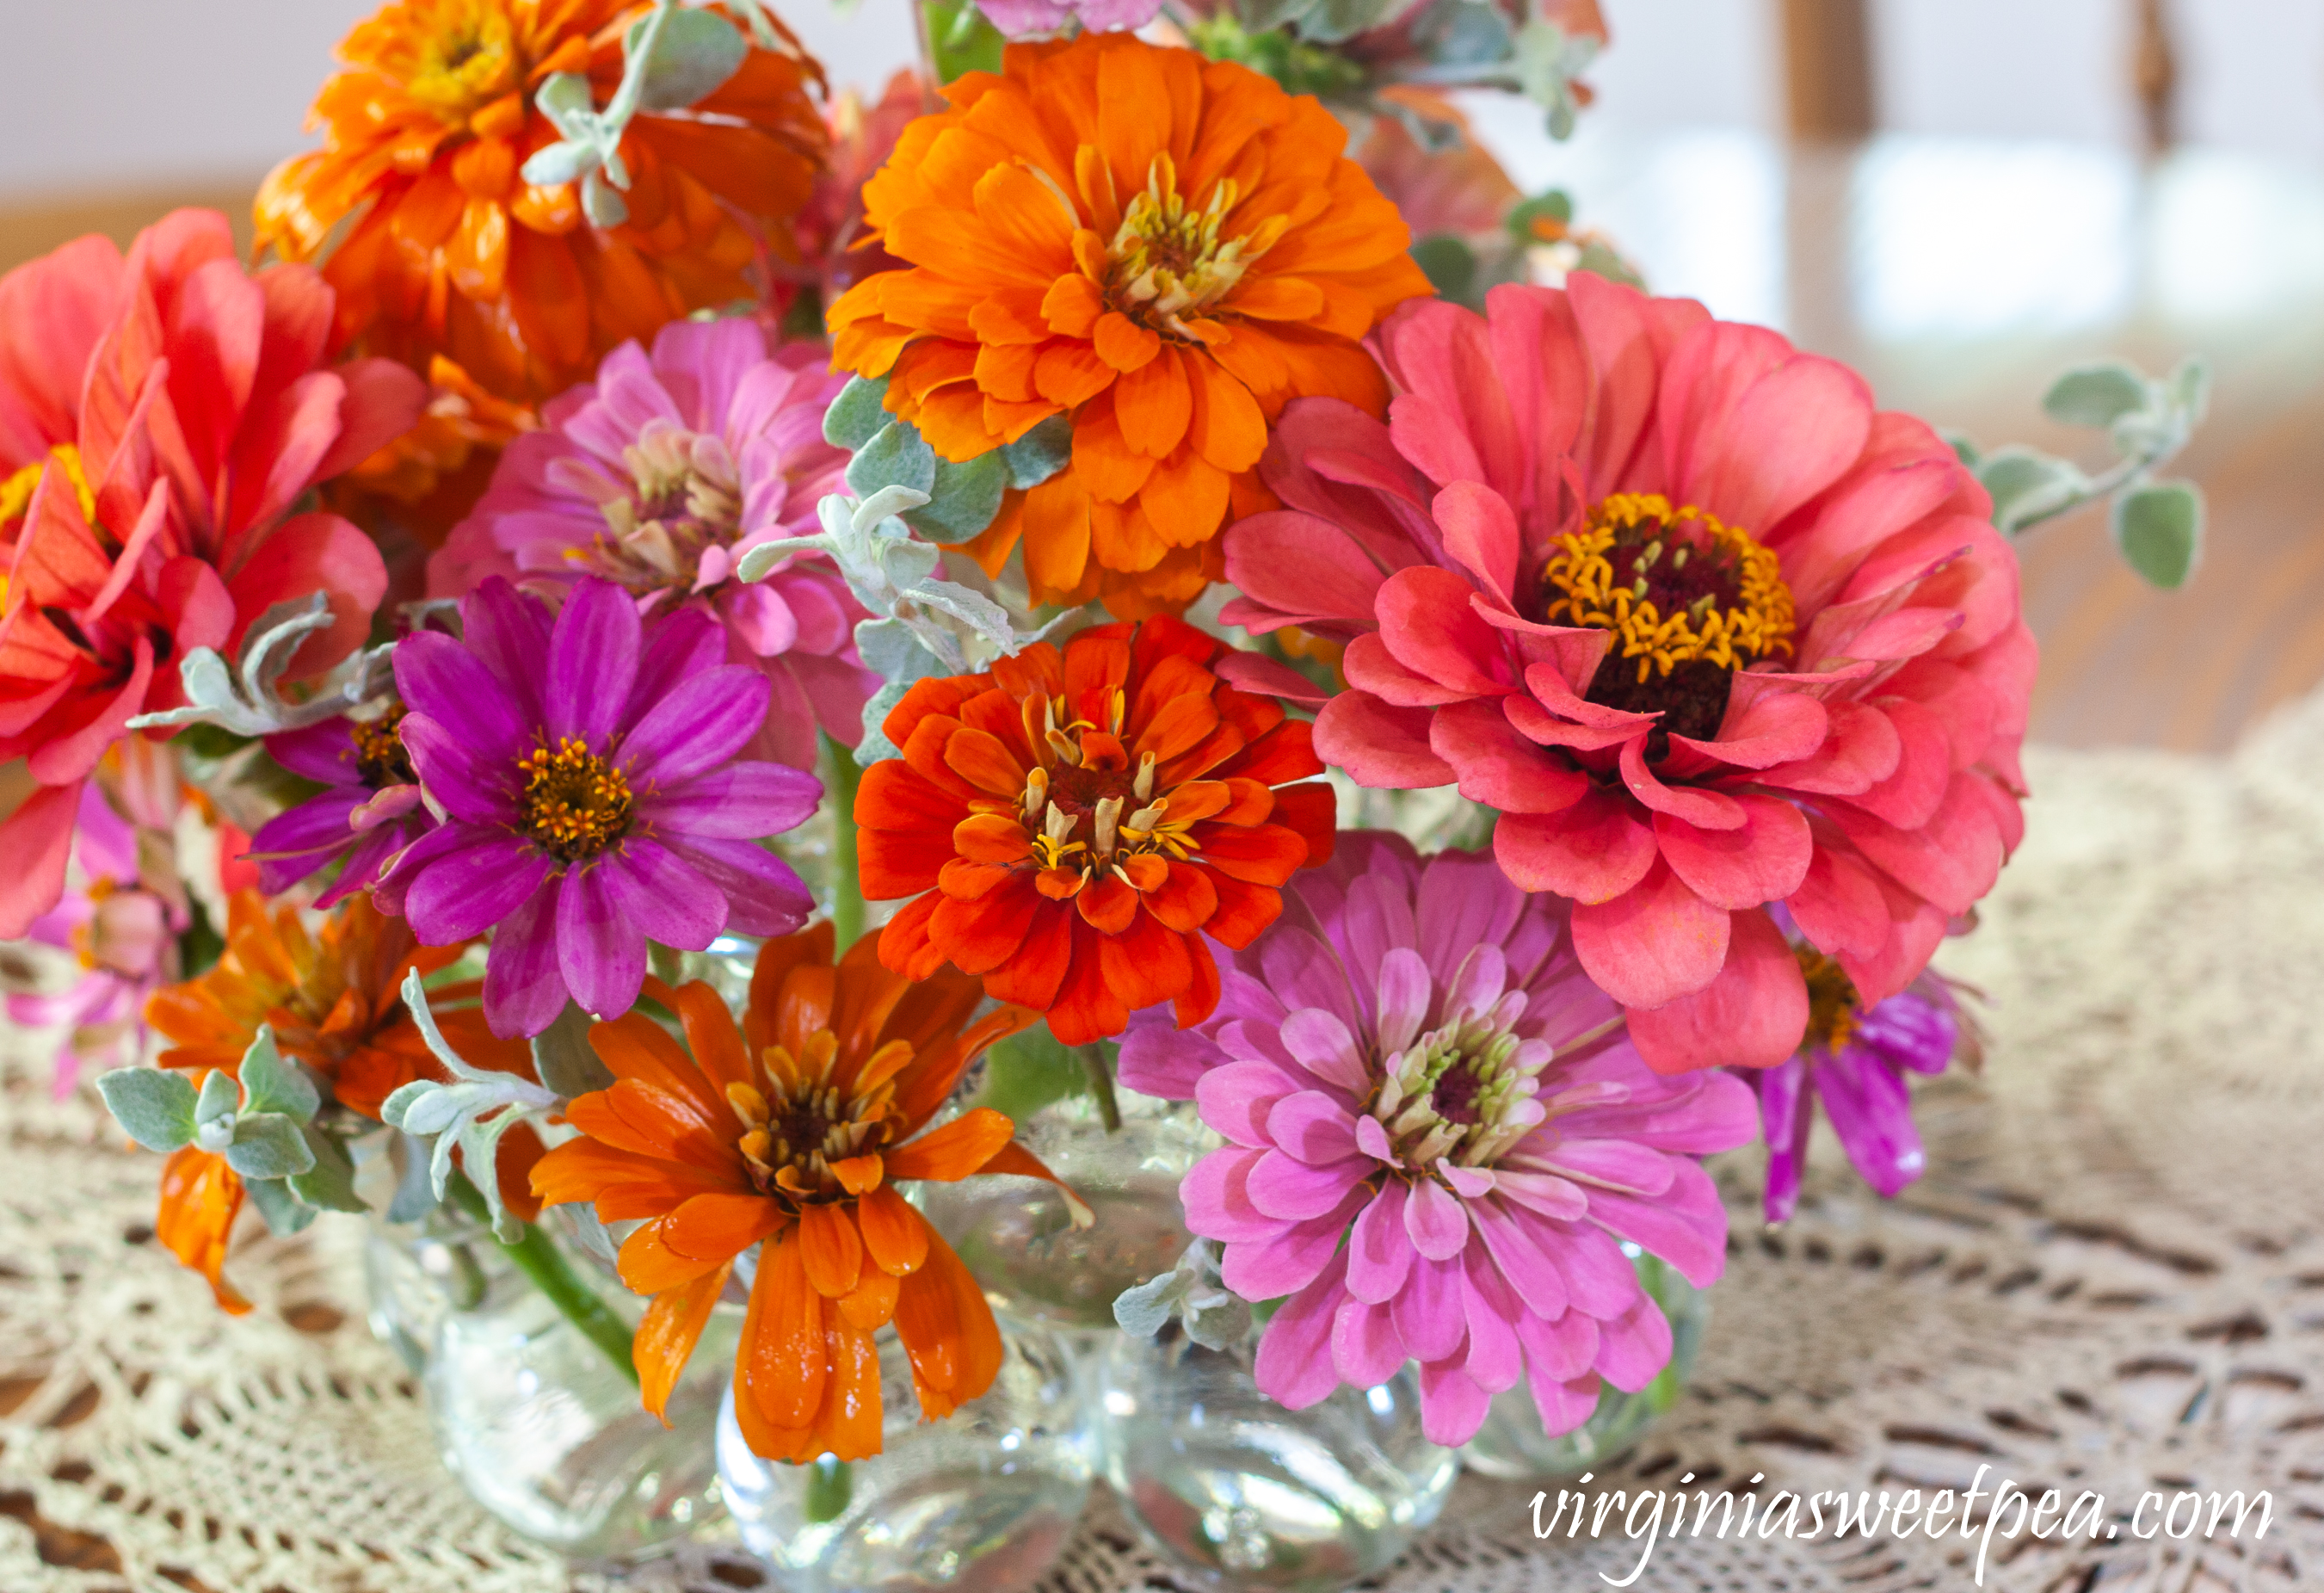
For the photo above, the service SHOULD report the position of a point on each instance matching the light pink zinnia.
(1709, 630)
(1025, 19)
(1414, 1051)
(658, 476)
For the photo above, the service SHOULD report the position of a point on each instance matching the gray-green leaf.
(270, 1083)
(2160, 530)
(565, 1061)
(2096, 394)
(221, 1097)
(963, 500)
(153, 1106)
(693, 55)
(284, 1212)
(857, 414)
(267, 1144)
(330, 1183)
(1041, 453)
(2027, 485)
(896, 456)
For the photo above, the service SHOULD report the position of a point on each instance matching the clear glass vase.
(1017, 1237)
(1243, 1494)
(983, 1500)
(540, 1427)
(1511, 1444)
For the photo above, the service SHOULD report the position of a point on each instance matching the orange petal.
(1153, 404)
(200, 1197)
(789, 1360)
(1110, 904)
(1016, 1159)
(831, 1249)
(711, 1228)
(1122, 343)
(711, 1034)
(1227, 426)
(873, 1303)
(952, 1153)
(668, 1333)
(949, 1331)
(1055, 518)
(859, 1175)
(990, 837)
(979, 757)
(894, 1234)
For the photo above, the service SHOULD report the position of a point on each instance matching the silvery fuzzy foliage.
(2158, 524)
(469, 1115)
(263, 1125)
(922, 624)
(672, 57)
(244, 699)
(1193, 1292)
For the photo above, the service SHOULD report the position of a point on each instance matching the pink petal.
(1428, 1311)
(1596, 850)
(1380, 745)
(1303, 570)
(1765, 860)
(1704, 809)
(1216, 1195)
(1427, 623)
(1291, 1258)
(37, 838)
(1499, 767)
(1452, 1406)
(1496, 1361)
(1236, 1099)
(1379, 1254)
(1366, 1348)
(1685, 1225)
(1753, 1014)
(1293, 1366)
(1517, 1249)
(1436, 1220)
(1480, 534)
(1312, 1128)
(1323, 1045)
(1654, 943)
(1285, 1187)
(1634, 1347)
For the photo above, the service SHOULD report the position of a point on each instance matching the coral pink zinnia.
(1412, 1058)
(657, 477)
(1709, 630)
(162, 418)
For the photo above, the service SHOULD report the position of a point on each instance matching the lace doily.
(2112, 1278)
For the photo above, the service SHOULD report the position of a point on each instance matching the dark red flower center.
(1834, 1008)
(380, 757)
(1688, 599)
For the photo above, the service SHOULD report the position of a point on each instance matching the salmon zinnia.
(1072, 824)
(453, 251)
(1166, 249)
(796, 1131)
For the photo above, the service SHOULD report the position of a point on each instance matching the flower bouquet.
(690, 658)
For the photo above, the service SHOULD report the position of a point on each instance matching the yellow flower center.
(792, 1132)
(463, 54)
(1689, 600)
(1092, 812)
(1834, 1008)
(380, 757)
(685, 497)
(17, 492)
(576, 803)
(1167, 260)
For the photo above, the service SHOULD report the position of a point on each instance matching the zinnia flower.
(160, 419)
(587, 771)
(1427, 1072)
(451, 251)
(1164, 249)
(1072, 825)
(1709, 631)
(335, 1002)
(1855, 1060)
(122, 934)
(797, 1132)
(368, 810)
(658, 476)
(1023, 18)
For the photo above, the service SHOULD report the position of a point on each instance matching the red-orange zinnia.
(1166, 249)
(453, 251)
(796, 1130)
(334, 1001)
(1072, 824)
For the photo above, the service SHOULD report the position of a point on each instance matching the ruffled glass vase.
(541, 1429)
(1243, 1494)
(1017, 1235)
(1511, 1444)
(983, 1500)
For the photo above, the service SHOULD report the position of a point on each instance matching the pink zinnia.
(1707, 629)
(1412, 1058)
(658, 476)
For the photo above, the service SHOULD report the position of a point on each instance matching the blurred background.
(1959, 197)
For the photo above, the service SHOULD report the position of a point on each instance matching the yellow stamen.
(1580, 577)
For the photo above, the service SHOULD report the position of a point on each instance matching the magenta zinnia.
(587, 767)
(1435, 1079)
(1710, 631)
(659, 475)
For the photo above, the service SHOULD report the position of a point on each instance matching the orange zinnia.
(1072, 825)
(428, 479)
(796, 1131)
(335, 1003)
(453, 251)
(1166, 249)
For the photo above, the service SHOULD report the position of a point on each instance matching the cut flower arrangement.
(683, 676)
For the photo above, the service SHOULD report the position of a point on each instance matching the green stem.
(537, 1256)
(846, 893)
(830, 1488)
(1100, 1082)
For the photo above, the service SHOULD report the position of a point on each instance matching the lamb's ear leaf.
(153, 1106)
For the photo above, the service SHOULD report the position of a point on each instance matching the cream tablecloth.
(2112, 1278)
